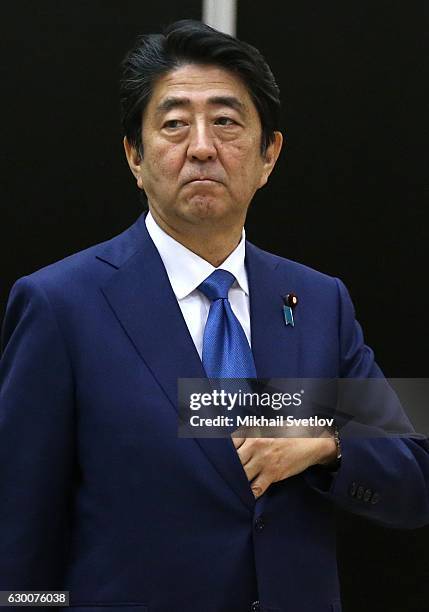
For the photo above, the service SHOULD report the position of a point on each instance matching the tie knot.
(217, 285)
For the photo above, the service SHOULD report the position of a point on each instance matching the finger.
(245, 453)
(260, 485)
(252, 470)
(238, 441)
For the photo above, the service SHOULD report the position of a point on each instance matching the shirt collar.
(186, 270)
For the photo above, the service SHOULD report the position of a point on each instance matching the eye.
(225, 121)
(174, 124)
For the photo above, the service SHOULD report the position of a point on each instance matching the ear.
(270, 157)
(134, 161)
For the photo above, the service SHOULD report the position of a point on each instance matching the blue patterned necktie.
(226, 351)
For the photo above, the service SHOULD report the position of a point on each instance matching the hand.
(268, 460)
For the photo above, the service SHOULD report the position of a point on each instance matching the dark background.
(346, 197)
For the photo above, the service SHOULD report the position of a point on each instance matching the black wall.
(65, 183)
(346, 198)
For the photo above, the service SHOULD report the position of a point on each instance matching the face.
(202, 159)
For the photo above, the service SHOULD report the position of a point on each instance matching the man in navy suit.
(98, 494)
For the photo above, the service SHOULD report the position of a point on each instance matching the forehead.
(199, 84)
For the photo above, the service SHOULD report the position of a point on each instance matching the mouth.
(202, 179)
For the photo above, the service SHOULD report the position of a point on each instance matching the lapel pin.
(290, 301)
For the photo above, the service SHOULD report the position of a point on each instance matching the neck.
(214, 244)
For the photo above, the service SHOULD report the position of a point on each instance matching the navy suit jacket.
(99, 496)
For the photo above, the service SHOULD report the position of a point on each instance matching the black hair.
(193, 42)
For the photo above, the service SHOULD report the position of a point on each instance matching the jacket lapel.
(140, 295)
(275, 345)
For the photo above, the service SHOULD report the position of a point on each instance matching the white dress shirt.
(186, 271)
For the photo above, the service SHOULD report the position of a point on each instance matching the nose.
(201, 144)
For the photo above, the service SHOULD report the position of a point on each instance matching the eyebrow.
(175, 102)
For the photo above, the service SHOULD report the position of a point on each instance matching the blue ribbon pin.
(290, 301)
(287, 311)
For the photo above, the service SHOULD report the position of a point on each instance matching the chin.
(206, 207)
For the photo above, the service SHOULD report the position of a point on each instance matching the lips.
(203, 178)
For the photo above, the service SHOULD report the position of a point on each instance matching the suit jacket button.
(360, 492)
(353, 488)
(375, 498)
(255, 607)
(259, 524)
(367, 495)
